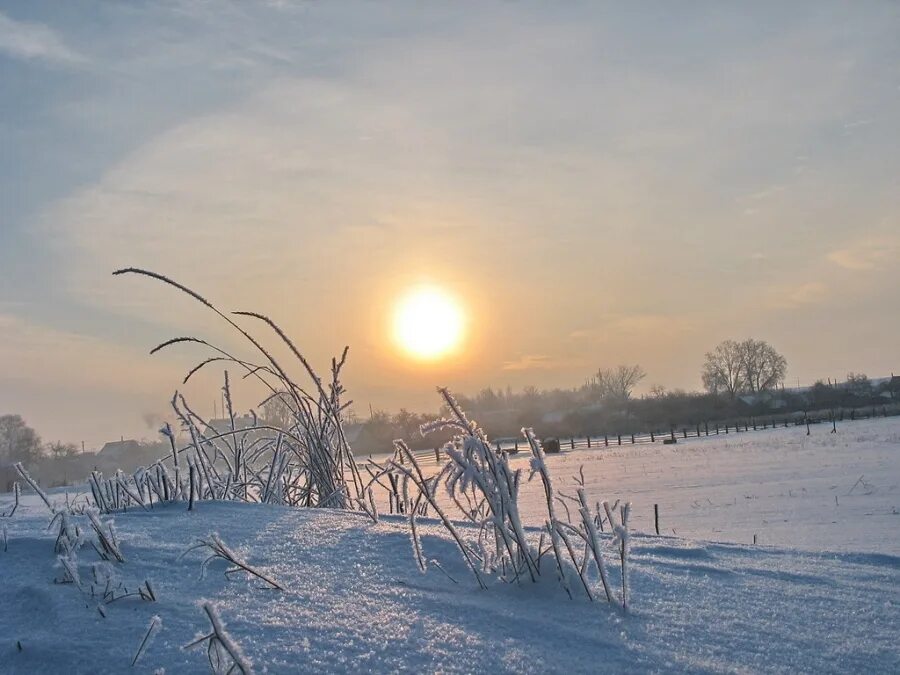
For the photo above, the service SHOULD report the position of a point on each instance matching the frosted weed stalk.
(484, 488)
(224, 654)
(306, 463)
(219, 550)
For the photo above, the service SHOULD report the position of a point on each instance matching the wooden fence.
(681, 432)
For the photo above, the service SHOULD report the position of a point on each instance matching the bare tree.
(18, 441)
(738, 367)
(617, 384)
(277, 412)
(723, 369)
(859, 385)
(407, 423)
(763, 367)
(58, 450)
(658, 391)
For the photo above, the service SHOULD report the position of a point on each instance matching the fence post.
(684, 431)
(437, 452)
(698, 430)
(632, 439)
(606, 440)
(706, 427)
(652, 438)
(572, 442)
(656, 517)
(620, 439)
(673, 434)
(589, 440)
(517, 445)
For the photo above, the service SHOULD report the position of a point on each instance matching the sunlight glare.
(428, 323)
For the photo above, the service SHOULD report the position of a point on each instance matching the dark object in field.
(670, 441)
(551, 445)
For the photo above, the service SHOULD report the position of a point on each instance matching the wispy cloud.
(797, 295)
(867, 254)
(531, 362)
(35, 41)
(32, 352)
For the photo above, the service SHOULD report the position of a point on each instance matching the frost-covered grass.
(355, 601)
(478, 485)
(825, 491)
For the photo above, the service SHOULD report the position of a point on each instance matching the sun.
(428, 323)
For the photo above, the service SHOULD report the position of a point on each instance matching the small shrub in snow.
(480, 482)
(306, 463)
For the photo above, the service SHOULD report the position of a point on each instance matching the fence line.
(695, 430)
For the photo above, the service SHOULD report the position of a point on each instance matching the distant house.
(113, 453)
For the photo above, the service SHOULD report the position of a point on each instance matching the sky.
(595, 183)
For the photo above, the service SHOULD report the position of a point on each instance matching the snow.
(777, 484)
(355, 601)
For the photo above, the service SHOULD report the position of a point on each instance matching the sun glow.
(428, 323)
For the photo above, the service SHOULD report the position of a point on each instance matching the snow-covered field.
(838, 492)
(354, 600)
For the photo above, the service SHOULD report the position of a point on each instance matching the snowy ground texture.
(355, 602)
(825, 491)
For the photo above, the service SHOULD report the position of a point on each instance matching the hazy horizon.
(594, 184)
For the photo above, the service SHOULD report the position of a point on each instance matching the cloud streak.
(35, 42)
(869, 254)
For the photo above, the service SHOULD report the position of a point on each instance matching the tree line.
(740, 378)
(20, 443)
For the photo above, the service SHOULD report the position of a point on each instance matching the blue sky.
(598, 183)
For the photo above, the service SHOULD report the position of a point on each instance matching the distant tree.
(18, 441)
(763, 367)
(407, 424)
(616, 384)
(737, 367)
(531, 393)
(859, 385)
(487, 399)
(657, 391)
(277, 412)
(59, 450)
(723, 369)
(821, 395)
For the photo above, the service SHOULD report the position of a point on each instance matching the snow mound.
(355, 601)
